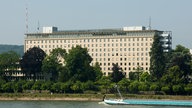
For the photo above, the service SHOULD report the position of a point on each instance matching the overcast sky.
(166, 15)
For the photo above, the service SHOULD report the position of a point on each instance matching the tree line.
(71, 72)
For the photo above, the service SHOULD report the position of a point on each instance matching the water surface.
(70, 104)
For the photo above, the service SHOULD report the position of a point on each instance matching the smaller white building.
(49, 29)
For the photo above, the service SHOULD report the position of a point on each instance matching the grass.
(79, 97)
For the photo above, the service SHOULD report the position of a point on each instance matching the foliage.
(77, 87)
(56, 87)
(31, 62)
(173, 76)
(104, 83)
(78, 64)
(154, 87)
(188, 89)
(134, 75)
(98, 71)
(133, 87)
(166, 89)
(124, 84)
(181, 57)
(157, 59)
(8, 87)
(52, 64)
(117, 73)
(178, 89)
(18, 86)
(37, 85)
(143, 86)
(144, 77)
(8, 64)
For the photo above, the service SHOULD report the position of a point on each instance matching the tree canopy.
(52, 64)
(31, 62)
(8, 64)
(157, 59)
(117, 73)
(78, 64)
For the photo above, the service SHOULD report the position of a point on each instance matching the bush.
(178, 89)
(166, 89)
(133, 87)
(154, 87)
(188, 90)
(143, 87)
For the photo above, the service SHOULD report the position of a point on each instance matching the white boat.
(115, 102)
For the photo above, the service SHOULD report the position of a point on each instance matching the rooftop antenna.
(38, 26)
(26, 17)
(150, 23)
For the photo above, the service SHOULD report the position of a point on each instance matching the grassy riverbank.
(82, 97)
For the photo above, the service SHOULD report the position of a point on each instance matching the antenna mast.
(150, 23)
(26, 17)
(38, 27)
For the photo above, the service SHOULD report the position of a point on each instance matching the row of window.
(90, 40)
(120, 59)
(125, 69)
(126, 64)
(93, 50)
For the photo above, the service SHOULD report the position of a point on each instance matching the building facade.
(129, 47)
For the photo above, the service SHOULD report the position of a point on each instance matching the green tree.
(8, 64)
(117, 73)
(18, 86)
(64, 75)
(28, 85)
(143, 86)
(155, 87)
(46, 85)
(78, 64)
(8, 87)
(31, 63)
(124, 84)
(145, 77)
(77, 87)
(178, 89)
(37, 86)
(166, 89)
(188, 89)
(66, 87)
(56, 87)
(133, 87)
(98, 71)
(157, 59)
(52, 64)
(173, 76)
(104, 83)
(181, 57)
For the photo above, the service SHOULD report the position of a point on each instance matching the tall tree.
(31, 62)
(98, 71)
(157, 59)
(78, 63)
(117, 74)
(52, 64)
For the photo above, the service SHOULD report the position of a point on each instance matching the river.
(69, 104)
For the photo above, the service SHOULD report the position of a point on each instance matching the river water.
(70, 104)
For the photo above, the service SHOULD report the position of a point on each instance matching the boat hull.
(148, 102)
(115, 102)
